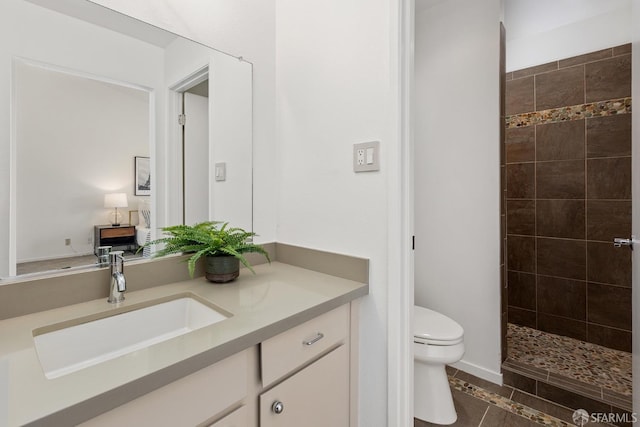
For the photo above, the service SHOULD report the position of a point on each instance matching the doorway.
(567, 196)
(195, 153)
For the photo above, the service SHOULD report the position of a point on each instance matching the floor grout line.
(484, 415)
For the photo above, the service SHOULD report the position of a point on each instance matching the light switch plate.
(366, 156)
(221, 171)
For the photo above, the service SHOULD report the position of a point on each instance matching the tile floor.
(481, 403)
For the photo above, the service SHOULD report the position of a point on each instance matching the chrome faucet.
(118, 283)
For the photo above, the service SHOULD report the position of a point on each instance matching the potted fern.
(221, 245)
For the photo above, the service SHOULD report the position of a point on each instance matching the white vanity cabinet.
(300, 377)
(313, 358)
(317, 396)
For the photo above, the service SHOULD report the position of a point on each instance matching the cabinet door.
(317, 396)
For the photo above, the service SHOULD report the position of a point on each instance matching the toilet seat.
(433, 328)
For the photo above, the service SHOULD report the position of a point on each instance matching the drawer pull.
(314, 340)
(277, 407)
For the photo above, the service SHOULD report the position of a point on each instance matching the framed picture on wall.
(142, 176)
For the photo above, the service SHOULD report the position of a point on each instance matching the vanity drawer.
(190, 400)
(298, 346)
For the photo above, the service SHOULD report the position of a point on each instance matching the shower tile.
(609, 337)
(609, 305)
(522, 290)
(571, 400)
(609, 178)
(617, 400)
(526, 363)
(575, 385)
(521, 217)
(518, 381)
(560, 88)
(587, 57)
(520, 144)
(562, 326)
(622, 49)
(560, 179)
(521, 181)
(609, 136)
(560, 218)
(562, 297)
(521, 253)
(519, 96)
(536, 69)
(522, 317)
(607, 219)
(608, 264)
(561, 258)
(608, 79)
(560, 141)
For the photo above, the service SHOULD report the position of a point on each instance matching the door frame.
(175, 158)
(401, 226)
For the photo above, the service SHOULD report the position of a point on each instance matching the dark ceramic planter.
(222, 269)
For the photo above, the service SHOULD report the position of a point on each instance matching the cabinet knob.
(277, 407)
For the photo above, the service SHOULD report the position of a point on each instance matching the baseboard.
(478, 371)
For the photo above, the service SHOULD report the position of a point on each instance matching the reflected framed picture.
(142, 176)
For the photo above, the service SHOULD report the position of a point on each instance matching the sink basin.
(84, 342)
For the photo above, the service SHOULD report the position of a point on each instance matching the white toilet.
(437, 341)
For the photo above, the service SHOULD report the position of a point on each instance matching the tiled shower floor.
(583, 368)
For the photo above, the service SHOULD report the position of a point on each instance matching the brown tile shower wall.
(568, 194)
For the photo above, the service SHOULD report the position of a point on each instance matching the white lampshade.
(115, 200)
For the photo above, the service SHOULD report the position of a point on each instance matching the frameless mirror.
(94, 103)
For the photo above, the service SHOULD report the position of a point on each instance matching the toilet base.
(432, 396)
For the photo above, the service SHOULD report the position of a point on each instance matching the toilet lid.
(432, 326)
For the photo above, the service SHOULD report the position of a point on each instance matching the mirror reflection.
(97, 125)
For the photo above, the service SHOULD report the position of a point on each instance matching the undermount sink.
(85, 342)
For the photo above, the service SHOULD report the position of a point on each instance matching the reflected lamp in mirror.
(115, 201)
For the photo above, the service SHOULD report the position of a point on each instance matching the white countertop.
(277, 298)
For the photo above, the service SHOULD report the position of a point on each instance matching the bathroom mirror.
(88, 92)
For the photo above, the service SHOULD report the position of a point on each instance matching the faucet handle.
(117, 261)
(114, 255)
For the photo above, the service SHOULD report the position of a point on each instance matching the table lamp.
(115, 200)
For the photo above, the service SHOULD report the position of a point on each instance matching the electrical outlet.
(67, 242)
(366, 156)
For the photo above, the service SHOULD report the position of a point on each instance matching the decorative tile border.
(574, 112)
(506, 403)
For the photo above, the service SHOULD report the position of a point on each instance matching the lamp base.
(115, 218)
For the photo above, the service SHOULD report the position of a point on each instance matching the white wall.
(457, 168)
(62, 41)
(83, 146)
(229, 132)
(335, 88)
(542, 31)
(241, 28)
